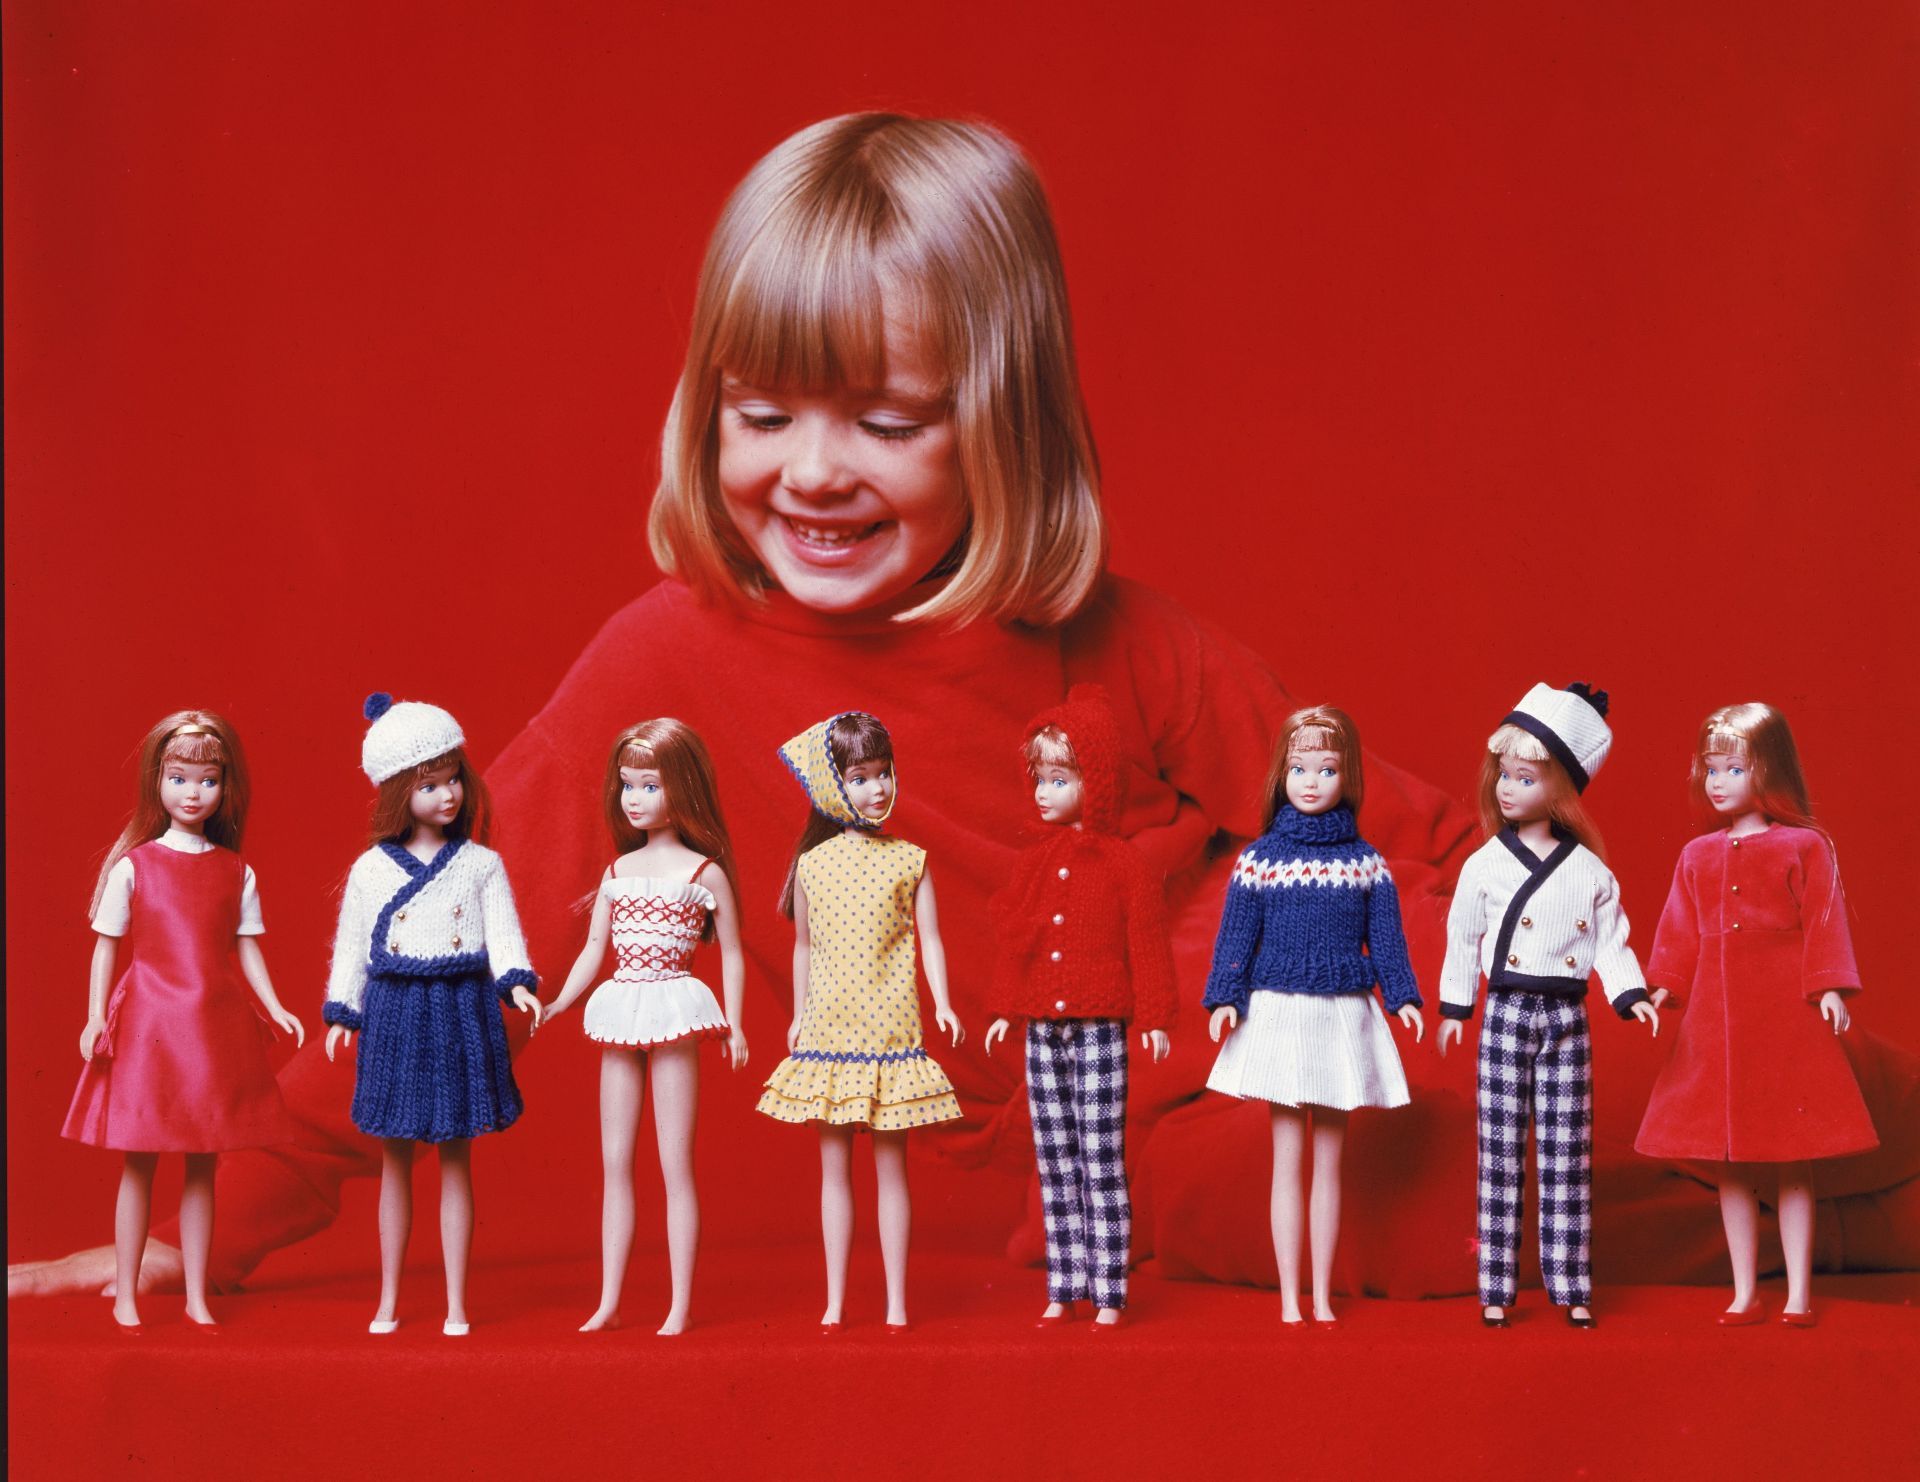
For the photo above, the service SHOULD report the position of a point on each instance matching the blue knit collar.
(1335, 826)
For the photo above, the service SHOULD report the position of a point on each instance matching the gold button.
(1736, 843)
(400, 916)
(456, 941)
(1526, 921)
(456, 910)
(1513, 960)
(393, 946)
(1736, 890)
(1579, 926)
(1570, 962)
(1736, 926)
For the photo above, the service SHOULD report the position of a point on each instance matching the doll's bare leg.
(1329, 1138)
(131, 1212)
(396, 1221)
(1289, 1146)
(456, 1222)
(196, 1232)
(676, 1098)
(896, 1217)
(1796, 1233)
(623, 1078)
(1740, 1218)
(836, 1213)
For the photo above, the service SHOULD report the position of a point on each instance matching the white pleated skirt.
(1312, 1049)
(657, 1013)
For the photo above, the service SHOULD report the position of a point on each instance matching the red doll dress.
(182, 1067)
(1753, 933)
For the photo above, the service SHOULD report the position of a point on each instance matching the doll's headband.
(810, 759)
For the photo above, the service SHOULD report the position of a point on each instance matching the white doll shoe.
(454, 1329)
(383, 1325)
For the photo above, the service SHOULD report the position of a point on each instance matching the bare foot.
(91, 1271)
(126, 1314)
(1323, 1312)
(830, 1318)
(674, 1326)
(602, 1321)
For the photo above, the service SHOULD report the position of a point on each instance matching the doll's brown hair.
(1049, 747)
(1563, 798)
(1757, 734)
(199, 738)
(852, 738)
(393, 805)
(1317, 728)
(674, 750)
(945, 224)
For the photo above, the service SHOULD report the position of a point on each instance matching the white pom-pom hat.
(1572, 725)
(404, 735)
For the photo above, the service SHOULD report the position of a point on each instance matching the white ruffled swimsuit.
(651, 1000)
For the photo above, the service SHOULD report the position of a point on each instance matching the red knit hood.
(1087, 718)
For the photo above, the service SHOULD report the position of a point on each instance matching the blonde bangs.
(1521, 745)
(1313, 737)
(197, 748)
(1049, 747)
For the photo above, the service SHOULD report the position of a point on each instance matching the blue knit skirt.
(432, 1059)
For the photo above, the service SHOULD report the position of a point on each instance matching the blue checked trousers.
(1077, 1094)
(1536, 1065)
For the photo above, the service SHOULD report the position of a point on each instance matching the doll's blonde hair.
(1049, 747)
(1757, 734)
(946, 224)
(198, 738)
(1563, 798)
(1316, 728)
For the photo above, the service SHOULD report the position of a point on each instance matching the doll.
(427, 941)
(175, 1058)
(1311, 922)
(1081, 936)
(855, 1055)
(1753, 944)
(671, 888)
(1537, 912)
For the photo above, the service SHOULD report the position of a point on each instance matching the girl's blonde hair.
(1563, 798)
(1317, 728)
(197, 737)
(945, 224)
(674, 750)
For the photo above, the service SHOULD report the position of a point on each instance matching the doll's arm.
(1676, 940)
(733, 966)
(1620, 976)
(352, 937)
(1827, 964)
(106, 952)
(1387, 946)
(1235, 946)
(1466, 930)
(1149, 951)
(587, 965)
(513, 977)
(933, 954)
(253, 967)
(802, 957)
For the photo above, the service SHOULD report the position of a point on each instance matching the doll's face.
(1729, 783)
(870, 788)
(190, 793)
(437, 796)
(1313, 780)
(846, 497)
(643, 797)
(1522, 790)
(1058, 793)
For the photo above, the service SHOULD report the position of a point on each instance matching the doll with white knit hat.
(1536, 913)
(427, 949)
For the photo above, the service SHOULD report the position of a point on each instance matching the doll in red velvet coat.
(1081, 949)
(1753, 944)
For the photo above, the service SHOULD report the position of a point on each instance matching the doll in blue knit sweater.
(1311, 923)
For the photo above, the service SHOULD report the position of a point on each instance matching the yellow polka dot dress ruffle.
(859, 1059)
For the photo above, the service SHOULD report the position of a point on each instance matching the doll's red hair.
(393, 805)
(674, 750)
(1317, 728)
(196, 737)
(1757, 734)
(1563, 798)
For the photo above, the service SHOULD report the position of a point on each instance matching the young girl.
(175, 1061)
(859, 476)
(672, 889)
(1537, 912)
(855, 1055)
(1311, 923)
(427, 941)
(1082, 948)
(1754, 941)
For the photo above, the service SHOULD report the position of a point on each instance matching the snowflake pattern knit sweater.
(1311, 909)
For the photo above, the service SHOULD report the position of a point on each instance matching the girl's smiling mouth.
(828, 542)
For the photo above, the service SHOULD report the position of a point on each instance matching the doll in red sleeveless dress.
(176, 1055)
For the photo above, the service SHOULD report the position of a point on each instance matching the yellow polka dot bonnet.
(809, 757)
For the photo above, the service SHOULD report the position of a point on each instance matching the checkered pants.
(1077, 1093)
(1536, 1065)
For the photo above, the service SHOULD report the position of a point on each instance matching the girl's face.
(1057, 792)
(1313, 780)
(870, 788)
(1729, 783)
(437, 796)
(1522, 790)
(847, 497)
(643, 797)
(190, 793)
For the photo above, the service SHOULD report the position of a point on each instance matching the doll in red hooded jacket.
(1081, 949)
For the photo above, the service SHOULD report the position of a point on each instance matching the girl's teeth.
(815, 535)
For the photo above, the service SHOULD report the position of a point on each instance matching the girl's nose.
(814, 467)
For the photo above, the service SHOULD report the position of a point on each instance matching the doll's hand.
(1833, 1005)
(1646, 1013)
(290, 1025)
(90, 1036)
(1659, 997)
(1225, 1020)
(338, 1034)
(1160, 1043)
(736, 1048)
(91, 1272)
(525, 1001)
(1410, 1016)
(1451, 1032)
(946, 1020)
(793, 1036)
(996, 1031)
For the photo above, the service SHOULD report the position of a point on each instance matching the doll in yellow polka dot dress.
(856, 1058)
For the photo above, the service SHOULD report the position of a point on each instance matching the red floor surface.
(1201, 1381)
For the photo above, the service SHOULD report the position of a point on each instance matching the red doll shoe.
(1749, 1316)
(1798, 1319)
(1066, 1314)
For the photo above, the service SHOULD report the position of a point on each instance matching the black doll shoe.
(1502, 1321)
(1589, 1321)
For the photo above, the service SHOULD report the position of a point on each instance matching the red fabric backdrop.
(1431, 350)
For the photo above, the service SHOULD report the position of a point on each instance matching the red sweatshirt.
(1195, 714)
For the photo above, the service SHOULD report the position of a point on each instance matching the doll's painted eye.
(1328, 772)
